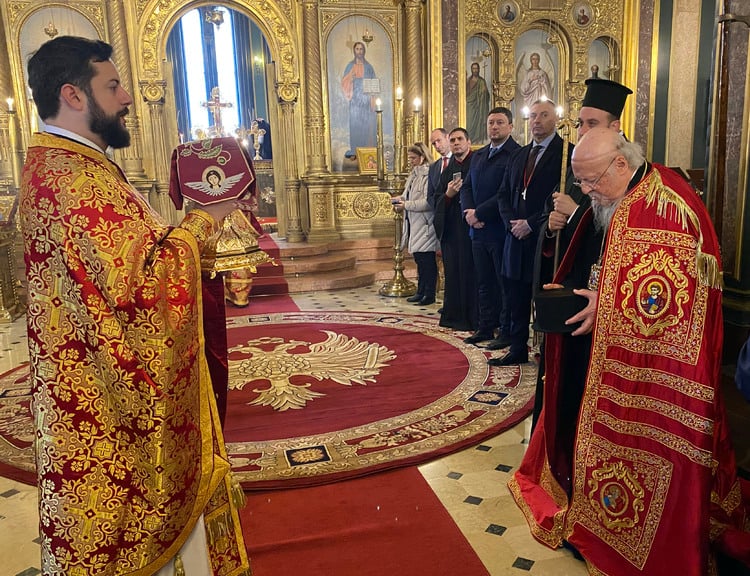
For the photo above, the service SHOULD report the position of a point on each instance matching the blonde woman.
(419, 233)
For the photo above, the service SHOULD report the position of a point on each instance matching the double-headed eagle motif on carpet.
(339, 358)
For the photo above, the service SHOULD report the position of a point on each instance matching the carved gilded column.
(153, 94)
(412, 57)
(129, 158)
(288, 94)
(314, 117)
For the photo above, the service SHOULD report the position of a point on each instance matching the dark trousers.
(492, 307)
(215, 329)
(518, 301)
(427, 273)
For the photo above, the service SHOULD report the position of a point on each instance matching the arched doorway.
(222, 72)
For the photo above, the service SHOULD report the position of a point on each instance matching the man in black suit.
(459, 295)
(439, 141)
(530, 178)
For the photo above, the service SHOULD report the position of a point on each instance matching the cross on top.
(215, 106)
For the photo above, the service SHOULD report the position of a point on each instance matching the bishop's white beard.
(603, 214)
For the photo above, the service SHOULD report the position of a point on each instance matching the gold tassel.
(179, 567)
(708, 271)
(238, 494)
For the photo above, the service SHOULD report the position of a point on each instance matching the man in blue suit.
(487, 232)
(530, 178)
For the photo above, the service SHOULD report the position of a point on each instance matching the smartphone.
(394, 200)
(456, 176)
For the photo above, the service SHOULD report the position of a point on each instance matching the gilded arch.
(271, 18)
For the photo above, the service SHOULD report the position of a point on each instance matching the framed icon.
(508, 12)
(582, 14)
(367, 160)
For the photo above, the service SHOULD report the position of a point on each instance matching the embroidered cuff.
(200, 224)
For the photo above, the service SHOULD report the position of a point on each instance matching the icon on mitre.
(215, 170)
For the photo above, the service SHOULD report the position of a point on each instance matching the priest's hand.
(557, 221)
(587, 315)
(563, 204)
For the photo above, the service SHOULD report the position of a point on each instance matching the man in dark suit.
(487, 232)
(530, 178)
(459, 296)
(439, 141)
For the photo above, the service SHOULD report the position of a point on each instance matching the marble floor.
(471, 483)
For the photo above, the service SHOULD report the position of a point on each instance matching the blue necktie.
(494, 151)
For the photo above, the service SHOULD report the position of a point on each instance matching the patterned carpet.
(317, 397)
(320, 396)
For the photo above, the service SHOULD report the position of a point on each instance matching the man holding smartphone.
(459, 297)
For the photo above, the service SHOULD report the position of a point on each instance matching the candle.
(560, 111)
(416, 132)
(398, 136)
(525, 113)
(380, 151)
(10, 103)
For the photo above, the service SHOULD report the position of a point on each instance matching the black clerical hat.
(606, 95)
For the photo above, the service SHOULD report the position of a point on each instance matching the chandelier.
(215, 16)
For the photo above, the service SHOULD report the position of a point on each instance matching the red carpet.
(389, 523)
(269, 279)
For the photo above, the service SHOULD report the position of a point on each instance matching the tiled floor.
(471, 483)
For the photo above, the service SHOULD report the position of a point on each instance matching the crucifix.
(215, 106)
(257, 137)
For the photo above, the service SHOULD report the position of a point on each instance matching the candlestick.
(381, 155)
(398, 136)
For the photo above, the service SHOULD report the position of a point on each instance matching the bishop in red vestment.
(653, 473)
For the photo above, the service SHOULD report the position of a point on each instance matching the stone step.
(336, 265)
(310, 265)
(335, 280)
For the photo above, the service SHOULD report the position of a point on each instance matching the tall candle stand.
(399, 286)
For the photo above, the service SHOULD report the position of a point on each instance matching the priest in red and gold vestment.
(653, 488)
(133, 474)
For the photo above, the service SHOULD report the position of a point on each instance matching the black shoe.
(415, 298)
(427, 300)
(509, 360)
(498, 343)
(440, 310)
(478, 337)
